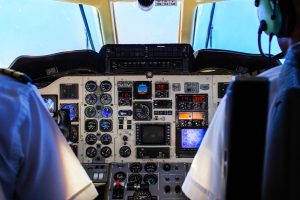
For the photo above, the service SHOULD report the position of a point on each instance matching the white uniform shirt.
(206, 178)
(35, 160)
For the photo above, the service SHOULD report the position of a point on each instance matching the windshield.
(135, 26)
(44, 27)
(234, 26)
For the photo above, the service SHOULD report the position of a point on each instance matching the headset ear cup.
(273, 18)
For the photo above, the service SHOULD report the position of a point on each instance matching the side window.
(234, 27)
(44, 27)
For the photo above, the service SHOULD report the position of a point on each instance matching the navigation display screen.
(153, 134)
(192, 138)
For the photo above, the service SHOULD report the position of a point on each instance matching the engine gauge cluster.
(98, 119)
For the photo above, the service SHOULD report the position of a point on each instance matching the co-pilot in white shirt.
(35, 160)
(206, 178)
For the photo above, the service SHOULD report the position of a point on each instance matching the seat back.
(282, 153)
(282, 158)
(246, 127)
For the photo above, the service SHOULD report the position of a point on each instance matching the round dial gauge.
(91, 99)
(91, 86)
(125, 151)
(136, 167)
(105, 99)
(107, 112)
(142, 195)
(120, 176)
(105, 152)
(91, 125)
(150, 179)
(105, 125)
(135, 179)
(91, 139)
(90, 111)
(105, 86)
(142, 111)
(150, 167)
(91, 152)
(105, 139)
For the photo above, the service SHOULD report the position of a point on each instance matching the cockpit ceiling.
(107, 21)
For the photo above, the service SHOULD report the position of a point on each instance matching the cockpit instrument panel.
(135, 118)
(138, 134)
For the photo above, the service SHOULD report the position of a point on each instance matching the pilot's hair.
(296, 5)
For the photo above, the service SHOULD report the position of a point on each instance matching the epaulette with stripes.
(16, 75)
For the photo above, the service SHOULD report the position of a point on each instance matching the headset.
(277, 17)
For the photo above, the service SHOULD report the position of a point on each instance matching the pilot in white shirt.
(206, 177)
(35, 160)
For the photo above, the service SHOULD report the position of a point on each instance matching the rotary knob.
(167, 189)
(167, 167)
(177, 188)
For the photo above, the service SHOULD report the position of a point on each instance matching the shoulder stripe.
(16, 75)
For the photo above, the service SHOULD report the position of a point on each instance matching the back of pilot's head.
(280, 16)
(296, 6)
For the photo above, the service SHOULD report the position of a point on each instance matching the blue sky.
(159, 25)
(39, 27)
(235, 27)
